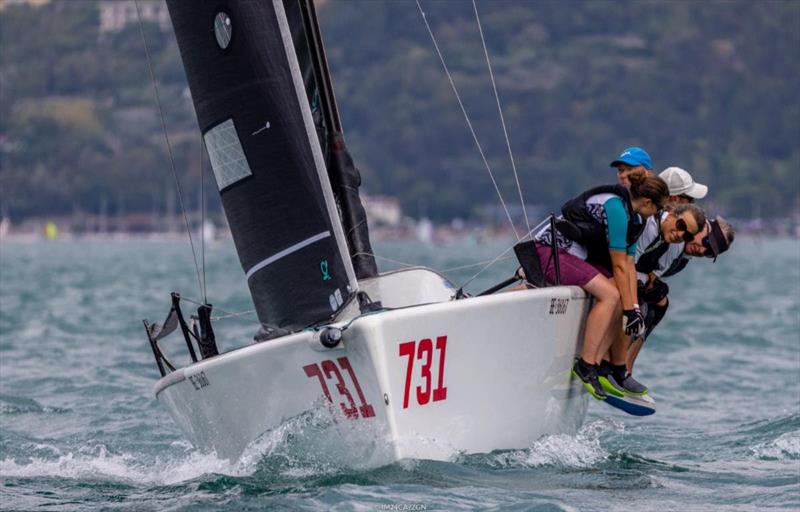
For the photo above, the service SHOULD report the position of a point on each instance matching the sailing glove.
(632, 322)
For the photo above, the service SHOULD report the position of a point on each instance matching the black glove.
(632, 322)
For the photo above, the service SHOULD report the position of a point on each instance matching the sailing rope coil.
(466, 117)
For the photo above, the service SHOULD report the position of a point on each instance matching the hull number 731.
(328, 371)
(423, 352)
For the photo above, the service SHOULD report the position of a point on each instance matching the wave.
(316, 443)
(99, 463)
(784, 447)
(21, 405)
(579, 451)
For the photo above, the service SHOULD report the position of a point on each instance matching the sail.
(344, 176)
(253, 109)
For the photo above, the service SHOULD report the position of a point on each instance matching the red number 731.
(423, 351)
(330, 371)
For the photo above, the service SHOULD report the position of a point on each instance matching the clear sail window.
(223, 30)
(226, 154)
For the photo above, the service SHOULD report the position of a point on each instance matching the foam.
(581, 450)
(319, 441)
(785, 447)
(98, 463)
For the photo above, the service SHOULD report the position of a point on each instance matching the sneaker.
(633, 387)
(587, 373)
(608, 381)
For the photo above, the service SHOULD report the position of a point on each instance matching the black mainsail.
(253, 109)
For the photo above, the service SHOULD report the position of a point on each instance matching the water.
(80, 429)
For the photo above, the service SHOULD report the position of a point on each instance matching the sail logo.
(323, 267)
(335, 299)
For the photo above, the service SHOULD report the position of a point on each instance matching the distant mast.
(254, 113)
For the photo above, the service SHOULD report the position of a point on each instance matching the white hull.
(427, 382)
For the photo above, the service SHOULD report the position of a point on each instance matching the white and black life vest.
(648, 261)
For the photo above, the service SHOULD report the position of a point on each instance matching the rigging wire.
(502, 254)
(203, 219)
(466, 117)
(169, 146)
(486, 263)
(502, 119)
(412, 265)
(226, 314)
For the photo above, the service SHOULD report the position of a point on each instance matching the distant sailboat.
(431, 371)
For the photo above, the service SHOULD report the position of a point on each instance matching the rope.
(169, 146)
(502, 119)
(466, 117)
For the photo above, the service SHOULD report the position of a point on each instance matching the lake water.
(81, 430)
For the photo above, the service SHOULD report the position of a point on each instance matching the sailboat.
(428, 370)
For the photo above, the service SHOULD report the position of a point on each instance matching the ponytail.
(644, 184)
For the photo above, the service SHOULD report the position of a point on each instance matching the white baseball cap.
(680, 183)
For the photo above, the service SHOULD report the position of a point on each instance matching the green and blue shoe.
(587, 374)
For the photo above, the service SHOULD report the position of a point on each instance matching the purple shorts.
(574, 271)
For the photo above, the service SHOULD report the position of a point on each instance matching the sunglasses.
(687, 236)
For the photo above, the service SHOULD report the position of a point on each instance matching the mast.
(254, 113)
(344, 176)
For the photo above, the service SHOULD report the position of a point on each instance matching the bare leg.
(605, 313)
(619, 347)
(636, 346)
(633, 353)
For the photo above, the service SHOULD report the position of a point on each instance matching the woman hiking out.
(596, 239)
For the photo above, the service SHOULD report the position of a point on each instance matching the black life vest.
(591, 233)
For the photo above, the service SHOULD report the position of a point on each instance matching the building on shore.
(116, 14)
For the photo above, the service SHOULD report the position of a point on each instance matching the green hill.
(709, 86)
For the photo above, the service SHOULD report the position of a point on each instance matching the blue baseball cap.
(634, 156)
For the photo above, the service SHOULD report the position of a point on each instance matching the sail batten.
(289, 250)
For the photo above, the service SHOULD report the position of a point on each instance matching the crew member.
(596, 240)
